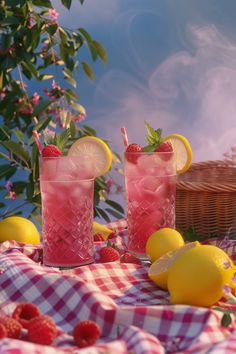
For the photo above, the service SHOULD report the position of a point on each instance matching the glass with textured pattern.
(67, 212)
(150, 179)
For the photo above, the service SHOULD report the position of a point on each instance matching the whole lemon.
(19, 229)
(198, 276)
(163, 241)
(159, 270)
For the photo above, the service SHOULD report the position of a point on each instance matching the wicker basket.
(206, 199)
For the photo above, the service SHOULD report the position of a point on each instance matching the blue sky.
(172, 62)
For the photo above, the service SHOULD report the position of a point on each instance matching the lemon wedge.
(183, 151)
(100, 228)
(96, 151)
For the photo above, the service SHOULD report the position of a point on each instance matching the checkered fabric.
(134, 315)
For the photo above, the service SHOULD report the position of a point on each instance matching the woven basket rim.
(211, 186)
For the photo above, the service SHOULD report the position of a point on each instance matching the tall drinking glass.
(67, 212)
(150, 179)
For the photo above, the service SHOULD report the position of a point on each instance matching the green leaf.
(153, 136)
(30, 68)
(67, 3)
(45, 77)
(93, 51)
(43, 3)
(103, 214)
(85, 34)
(226, 320)
(35, 162)
(62, 139)
(70, 95)
(42, 106)
(89, 131)
(48, 139)
(4, 132)
(72, 129)
(114, 213)
(19, 187)
(52, 29)
(115, 205)
(101, 51)
(88, 70)
(71, 81)
(20, 135)
(6, 171)
(17, 150)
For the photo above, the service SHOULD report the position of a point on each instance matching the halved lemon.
(159, 270)
(183, 151)
(96, 151)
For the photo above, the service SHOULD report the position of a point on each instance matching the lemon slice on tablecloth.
(96, 151)
(183, 151)
(99, 228)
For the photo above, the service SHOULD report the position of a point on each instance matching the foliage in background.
(32, 46)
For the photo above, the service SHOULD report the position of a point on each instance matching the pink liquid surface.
(67, 213)
(150, 194)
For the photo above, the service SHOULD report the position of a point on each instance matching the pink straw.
(38, 142)
(124, 136)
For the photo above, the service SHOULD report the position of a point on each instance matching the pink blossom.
(53, 14)
(8, 185)
(109, 184)
(31, 22)
(35, 99)
(12, 195)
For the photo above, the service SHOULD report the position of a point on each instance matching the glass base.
(141, 256)
(71, 266)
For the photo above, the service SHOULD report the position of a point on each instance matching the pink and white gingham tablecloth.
(134, 315)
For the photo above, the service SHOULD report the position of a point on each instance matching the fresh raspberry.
(86, 333)
(24, 312)
(165, 147)
(133, 148)
(12, 326)
(98, 237)
(108, 254)
(3, 331)
(129, 258)
(51, 151)
(112, 235)
(42, 330)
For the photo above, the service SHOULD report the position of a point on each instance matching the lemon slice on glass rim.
(182, 150)
(94, 149)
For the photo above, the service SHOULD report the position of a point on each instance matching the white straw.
(124, 136)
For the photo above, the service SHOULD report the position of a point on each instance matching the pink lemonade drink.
(150, 179)
(67, 212)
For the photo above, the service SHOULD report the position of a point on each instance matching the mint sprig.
(153, 137)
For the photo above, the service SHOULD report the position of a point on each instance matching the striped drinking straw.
(37, 140)
(124, 136)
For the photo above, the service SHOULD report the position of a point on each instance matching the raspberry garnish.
(108, 254)
(12, 326)
(42, 330)
(129, 258)
(86, 333)
(24, 312)
(3, 331)
(98, 237)
(51, 151)
(165, 147)
(135, 148)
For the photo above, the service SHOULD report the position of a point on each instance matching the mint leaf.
(153, 137)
